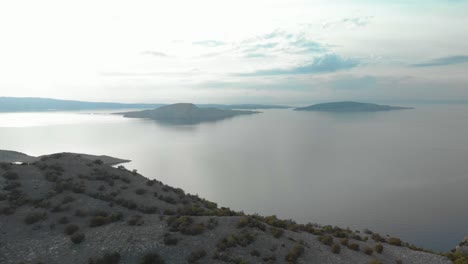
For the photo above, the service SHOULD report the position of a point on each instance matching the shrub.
(77, 238)
(9, 175)
(336, 248)
(276, 232)
(81, 213)
(140, 191)
(255, 253)
(379, 248)
(170, 240)
(68, 199)
(103, 219)
(344, 241)
(375, 261)
(109, 258)
(354, 247)
(212, 223)
(196, 256)
(135, 220)
(368, 251)
(250, 222)
(98, 162)
(232, 240)
(326, 240)
(35, 217)
(394, 241)
(294, 254)
(376, 237)
(150, 182)
(185, 225)
(63, 220)
(152, 258)
(70, 229)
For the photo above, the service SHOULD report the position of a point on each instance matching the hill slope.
(65, 208)
(349, 106)
(185, 113)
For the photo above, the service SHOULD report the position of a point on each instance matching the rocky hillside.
(69, 208)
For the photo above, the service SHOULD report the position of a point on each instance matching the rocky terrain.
(74, 208)
(185, 113)
(348, 106)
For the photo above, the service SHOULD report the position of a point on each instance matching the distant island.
(77, 208)
(349, 106)
(36, 104)
(186, 113)
(243, 106)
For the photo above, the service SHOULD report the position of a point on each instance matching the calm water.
(403, 173)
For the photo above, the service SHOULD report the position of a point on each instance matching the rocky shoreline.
(76, 208)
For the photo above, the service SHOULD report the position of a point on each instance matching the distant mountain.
(242, 106)
(348, 106)
(34, 104)
(185, 113)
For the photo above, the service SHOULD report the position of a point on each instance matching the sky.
(245, 51)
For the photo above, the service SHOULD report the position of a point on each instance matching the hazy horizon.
(266, 52)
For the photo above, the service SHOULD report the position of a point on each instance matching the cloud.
(306, 45)
(209, 43)
(444, 61)
(255, 55)
(323, 64)
(154, 53)
(351, 22)
(277, 33)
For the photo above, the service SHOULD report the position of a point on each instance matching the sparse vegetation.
(140, 191)
(394, 241)
(379, 248)
(10, 175)
(326, 240)
(354, 246)
(294, 254)
(152, 258)
(77, 238)
(251, 223)
(70, 229)
(276, 232)
(368, 251)
(103, 219)
(195, 256)
(336, 248)
(135, 220)
(185, 225)
(170, 240)
(109, 258)
(375, 261)
(35, 217)
(344, 241)
(243, 240)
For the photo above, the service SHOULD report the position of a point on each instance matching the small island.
(349, 106)
(186, 113)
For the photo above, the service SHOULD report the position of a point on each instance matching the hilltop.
(348, 106)
(69, 208)
(186, 113)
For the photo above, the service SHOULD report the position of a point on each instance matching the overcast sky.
(242, 51)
